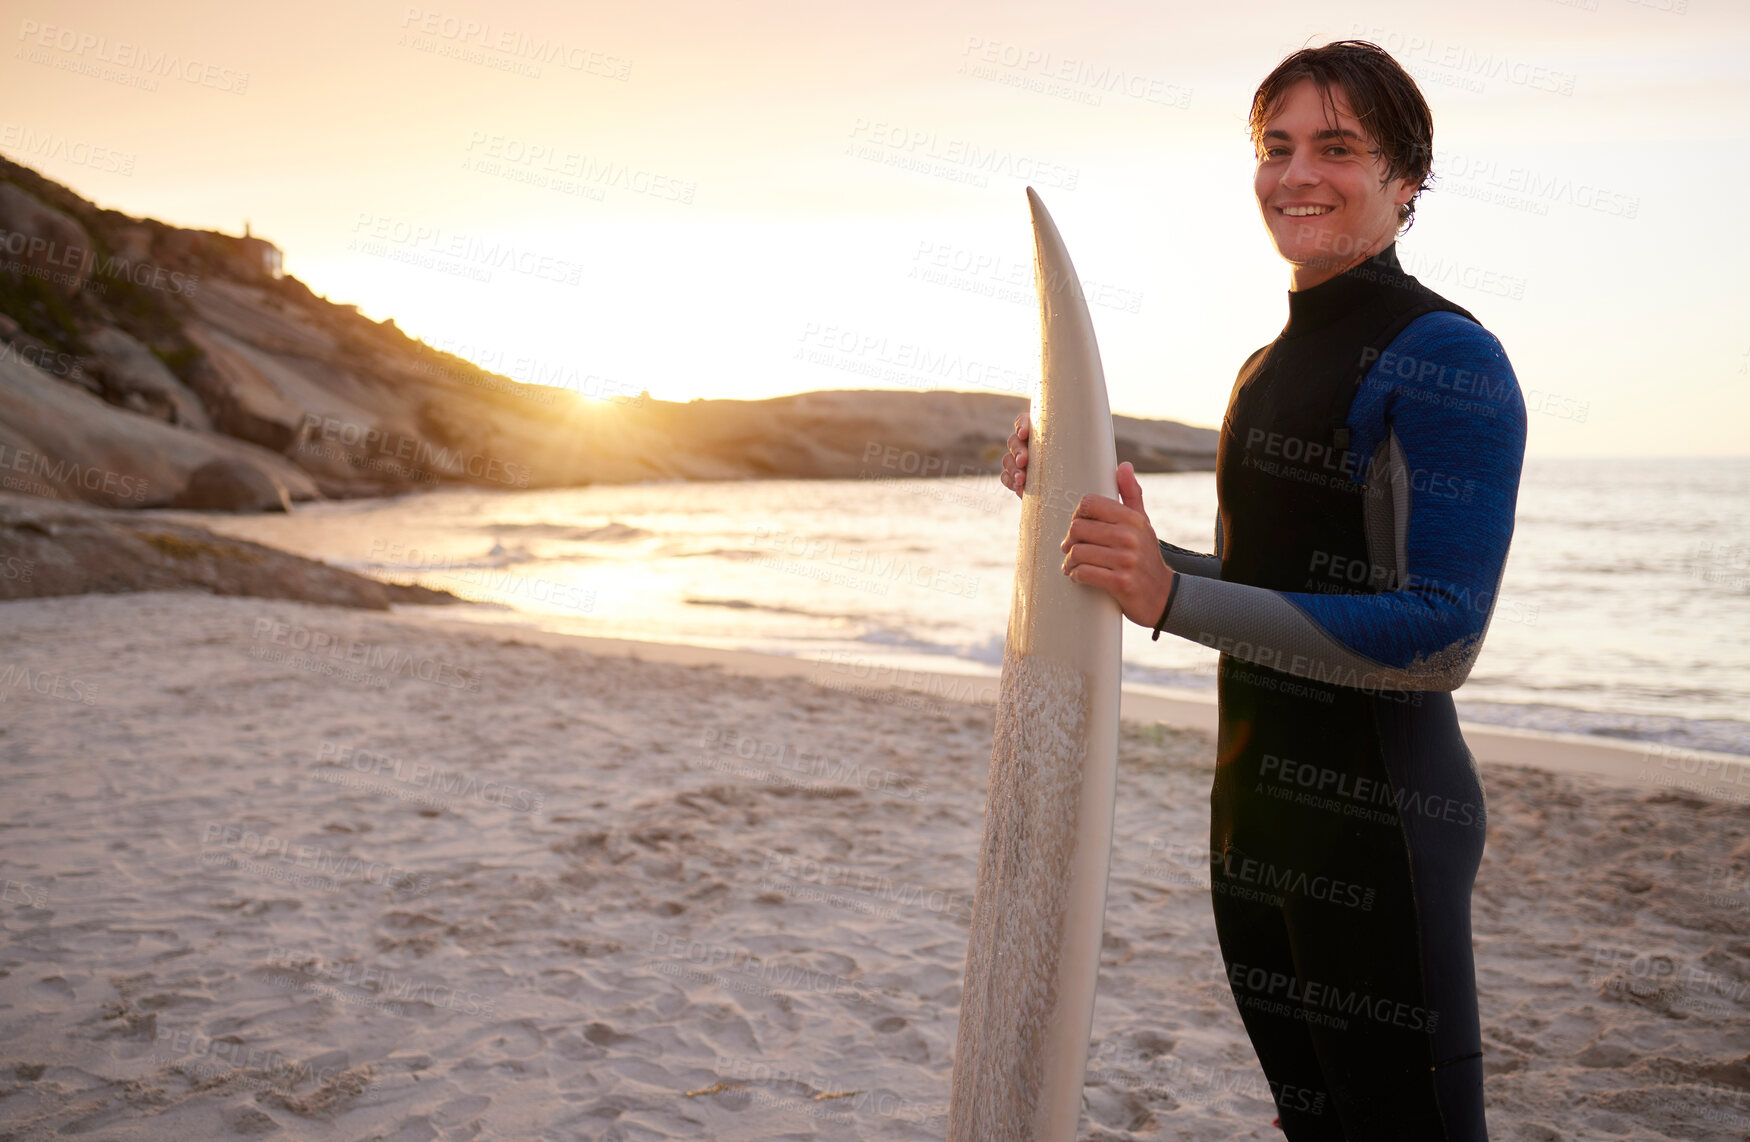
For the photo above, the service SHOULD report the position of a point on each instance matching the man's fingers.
(1103, 508)
(1094, 576)
(1015, 459)
(1115, 535)
(1093, 555)
(1130, 488)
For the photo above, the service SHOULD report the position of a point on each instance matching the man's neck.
(1306, 275)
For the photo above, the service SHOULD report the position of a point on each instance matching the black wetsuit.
(1367, 473)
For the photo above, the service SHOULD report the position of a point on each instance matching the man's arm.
(1450, 455)
(1194, 562)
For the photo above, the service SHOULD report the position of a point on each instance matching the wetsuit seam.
(1456, 1059)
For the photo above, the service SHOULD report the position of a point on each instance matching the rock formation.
(134, 354)
(232, 485)
(49, 548)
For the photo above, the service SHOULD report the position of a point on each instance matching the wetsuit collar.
(1312, 309)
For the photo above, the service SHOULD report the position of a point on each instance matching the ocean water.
(1625, 610)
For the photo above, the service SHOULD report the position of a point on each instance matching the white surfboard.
(1027, 1005)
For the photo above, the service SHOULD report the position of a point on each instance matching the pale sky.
(751, 199)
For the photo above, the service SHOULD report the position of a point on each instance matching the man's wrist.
(1166, 607)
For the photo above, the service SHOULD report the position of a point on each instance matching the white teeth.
(1306, 211)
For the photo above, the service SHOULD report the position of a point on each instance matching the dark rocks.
(49, 548)
(135, 379)
(232, 486)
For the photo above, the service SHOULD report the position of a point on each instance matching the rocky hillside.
(143, 365)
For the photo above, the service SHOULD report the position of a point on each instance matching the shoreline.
(1623, 762)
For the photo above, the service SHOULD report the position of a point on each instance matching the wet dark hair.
(1385, 100)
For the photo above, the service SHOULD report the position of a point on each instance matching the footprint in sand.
(1151, 1044)
(905, 1042)
(499, 1043)
(54, 985)
(603, 1035)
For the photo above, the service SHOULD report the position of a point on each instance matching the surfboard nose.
(1042, 223)
(1055, 274)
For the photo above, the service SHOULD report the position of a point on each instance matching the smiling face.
(1321, 186)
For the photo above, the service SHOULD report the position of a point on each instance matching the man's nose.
(1301, 170)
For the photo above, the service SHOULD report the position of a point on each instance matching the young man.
(1367, 472)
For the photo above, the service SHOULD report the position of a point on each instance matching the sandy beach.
(278, 869)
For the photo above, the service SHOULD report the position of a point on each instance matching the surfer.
(1367, 471)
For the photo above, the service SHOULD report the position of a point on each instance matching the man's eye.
(1338, 150)
(1275, 152)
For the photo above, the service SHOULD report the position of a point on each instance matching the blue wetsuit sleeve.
(1440, 426)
